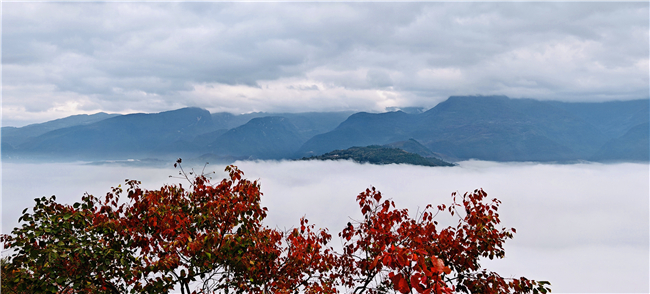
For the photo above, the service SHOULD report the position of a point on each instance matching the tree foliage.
(210, 238)
(380, 155)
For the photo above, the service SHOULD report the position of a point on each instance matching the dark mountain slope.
(612, 118)
(270, 137)
(226, 120)
(179, 133)
(412, 146)
(16, 136)
(632, 146)
(127, 135)
(482, 127)
(308, 124)
(503, 129)
(361, 129)
(462, 127)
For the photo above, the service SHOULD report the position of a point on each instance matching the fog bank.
(584, 227)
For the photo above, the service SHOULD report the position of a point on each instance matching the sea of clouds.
(583, 227)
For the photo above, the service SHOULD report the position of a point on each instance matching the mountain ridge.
(494, 128)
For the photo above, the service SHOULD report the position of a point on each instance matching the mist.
(583, 227)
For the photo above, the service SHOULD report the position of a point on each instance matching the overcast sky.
(60, 59)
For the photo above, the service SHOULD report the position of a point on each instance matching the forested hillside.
(379, 155)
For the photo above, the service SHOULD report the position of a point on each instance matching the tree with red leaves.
(211, 239)
(388, 250)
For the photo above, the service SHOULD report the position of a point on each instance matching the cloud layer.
(584, 227)
(68, 58)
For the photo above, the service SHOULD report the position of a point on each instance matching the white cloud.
(292, 95)
(584, 227)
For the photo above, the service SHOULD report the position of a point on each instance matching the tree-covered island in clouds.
(494, 128)
(376, 154)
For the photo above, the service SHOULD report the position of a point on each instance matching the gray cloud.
(126, 57)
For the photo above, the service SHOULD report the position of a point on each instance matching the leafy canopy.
(210, 238)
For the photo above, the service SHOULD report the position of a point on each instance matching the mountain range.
(494, 128)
